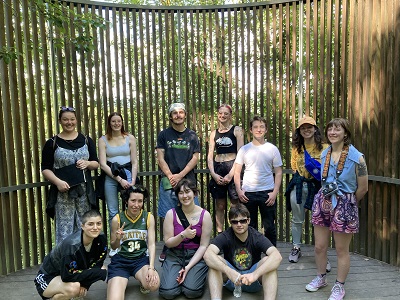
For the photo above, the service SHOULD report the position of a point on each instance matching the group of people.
(329, 179)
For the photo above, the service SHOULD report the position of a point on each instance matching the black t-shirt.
(179, 148)
(242, 255)
(49, 148)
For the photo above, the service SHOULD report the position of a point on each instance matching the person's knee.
(342, 251)
(189, 293)
(72, 289)
(169, 293)
(320, 248)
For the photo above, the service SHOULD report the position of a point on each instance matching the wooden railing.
(377, 237)
(278, 59)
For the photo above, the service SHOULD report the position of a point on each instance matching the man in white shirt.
(259, 188)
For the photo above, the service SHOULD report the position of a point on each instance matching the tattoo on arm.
(362, 169)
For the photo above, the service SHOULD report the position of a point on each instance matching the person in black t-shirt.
(241, 263)
(178, 151)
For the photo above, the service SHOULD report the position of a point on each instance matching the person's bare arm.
(277, 184)
(362, 179)
(237, 179)
(267, 264)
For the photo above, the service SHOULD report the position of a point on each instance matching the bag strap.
(182, 217)
(342, 159)
(54, 141)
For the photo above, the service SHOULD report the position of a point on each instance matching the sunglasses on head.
(242, 221)
(67, 108)
(138, 188)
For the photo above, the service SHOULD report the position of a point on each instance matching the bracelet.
(150, 268)
(119, 181)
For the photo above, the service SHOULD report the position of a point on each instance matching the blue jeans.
(298, 214)
(167, 200)
(253, 288)
(111, 195)
(268, 213)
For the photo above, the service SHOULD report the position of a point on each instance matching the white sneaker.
(295, 254)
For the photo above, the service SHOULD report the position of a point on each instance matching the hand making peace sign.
(119, 234)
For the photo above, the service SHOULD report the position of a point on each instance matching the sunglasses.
(138, 188)
(242, 221)
(67, 108)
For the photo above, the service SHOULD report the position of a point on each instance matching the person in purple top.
(184, 270)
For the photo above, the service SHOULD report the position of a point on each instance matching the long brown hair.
(298, 140)
(109, 129)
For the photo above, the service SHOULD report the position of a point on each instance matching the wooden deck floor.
(368, 279)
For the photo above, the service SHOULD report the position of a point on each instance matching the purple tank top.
(178, 228)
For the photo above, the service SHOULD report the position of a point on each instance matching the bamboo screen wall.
(279, 59)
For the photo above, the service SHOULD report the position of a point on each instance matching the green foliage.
(60, 18)
(7, 54)
(59, 15)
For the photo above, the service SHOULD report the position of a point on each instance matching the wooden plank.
(123, 107)
(361, 282)
(32, 158)
(325, 117)
(21, 133)
(109, 95)
(308, 54)
(147, 96)
(115, 101)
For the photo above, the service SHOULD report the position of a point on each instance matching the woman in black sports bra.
(226, 140)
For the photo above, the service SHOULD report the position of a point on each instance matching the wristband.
(150, 268)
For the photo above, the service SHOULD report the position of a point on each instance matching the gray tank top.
(120, 154)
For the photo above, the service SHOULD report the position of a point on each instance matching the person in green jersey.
(134, 232)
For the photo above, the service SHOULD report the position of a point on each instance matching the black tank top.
(225, 142)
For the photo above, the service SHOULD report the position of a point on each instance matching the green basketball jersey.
(134, 241)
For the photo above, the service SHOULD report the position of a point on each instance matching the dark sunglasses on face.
(67, 108)
(235, 222)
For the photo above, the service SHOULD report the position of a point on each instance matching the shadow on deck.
(368, 279)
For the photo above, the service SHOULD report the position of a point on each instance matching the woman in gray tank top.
(118, 160)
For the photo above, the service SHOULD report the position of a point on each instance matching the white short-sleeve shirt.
(259, 162)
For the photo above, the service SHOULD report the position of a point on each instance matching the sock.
(322, 275)
(342, 283)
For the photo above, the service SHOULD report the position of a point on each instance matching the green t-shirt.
(134, 242)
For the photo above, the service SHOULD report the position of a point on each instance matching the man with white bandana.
(178, 150)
